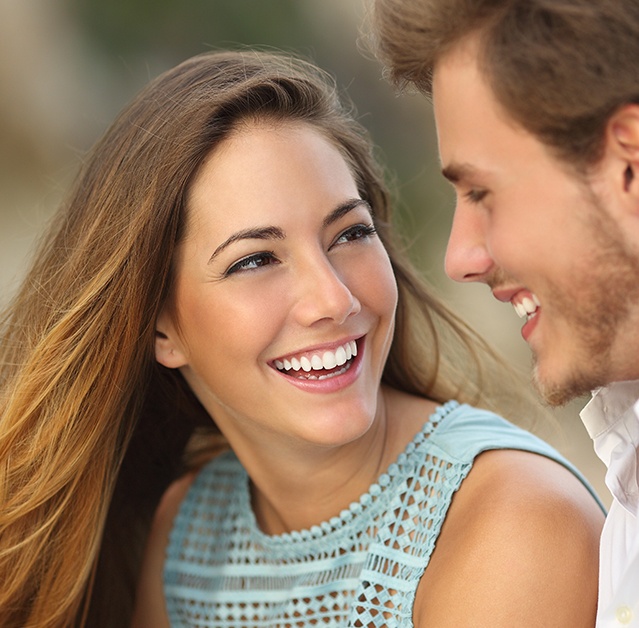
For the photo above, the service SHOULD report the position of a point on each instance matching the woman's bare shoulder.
(520, 533)
(149, 603)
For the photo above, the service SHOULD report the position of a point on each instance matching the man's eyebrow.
(275, 233)
(457, 172)
(255, 233)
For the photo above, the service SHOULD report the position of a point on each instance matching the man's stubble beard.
(596, 306)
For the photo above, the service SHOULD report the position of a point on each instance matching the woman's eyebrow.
(344, 208)
(275, 233)
(255, 233)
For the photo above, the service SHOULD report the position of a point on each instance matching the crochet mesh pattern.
(358, 569)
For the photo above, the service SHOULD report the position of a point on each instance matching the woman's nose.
(325, 295)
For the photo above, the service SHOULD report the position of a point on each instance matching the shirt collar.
(612, 420)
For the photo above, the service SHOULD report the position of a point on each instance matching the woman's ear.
(168, 347)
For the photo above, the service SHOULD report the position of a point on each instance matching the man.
(537, 110)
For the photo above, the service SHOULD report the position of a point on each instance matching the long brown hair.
(560, 68)
(92, 429)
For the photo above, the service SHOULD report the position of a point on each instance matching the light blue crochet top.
(361, 568)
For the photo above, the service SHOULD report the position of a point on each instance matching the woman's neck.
(296, 487)
(303, 493)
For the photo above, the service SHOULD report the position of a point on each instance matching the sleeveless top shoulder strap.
(474, 431)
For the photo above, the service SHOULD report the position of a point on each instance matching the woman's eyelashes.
(356, 232)
(252, 262)
(261, 259)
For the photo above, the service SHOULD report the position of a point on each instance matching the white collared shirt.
(612, 420)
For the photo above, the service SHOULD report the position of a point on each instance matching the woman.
(224, 276)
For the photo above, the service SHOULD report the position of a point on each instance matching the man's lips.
(527, 306)
(525, 303)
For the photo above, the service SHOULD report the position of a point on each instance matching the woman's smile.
(323, 370)
(318, 363)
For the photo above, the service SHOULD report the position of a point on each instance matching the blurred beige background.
(68, 66)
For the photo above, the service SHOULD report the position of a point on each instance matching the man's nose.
(467, 256)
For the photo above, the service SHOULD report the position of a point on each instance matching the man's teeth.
(325, 361)
(527, 307)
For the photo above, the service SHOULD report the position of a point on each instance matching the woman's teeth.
(320, 362)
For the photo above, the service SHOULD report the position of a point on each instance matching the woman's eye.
(252, 262)
(357, 232)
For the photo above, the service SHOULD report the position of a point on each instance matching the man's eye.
(252, 262)
(357, 232)
(476, 196)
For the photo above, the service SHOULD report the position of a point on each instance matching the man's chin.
(557, 392)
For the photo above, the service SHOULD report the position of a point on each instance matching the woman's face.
(284, 295)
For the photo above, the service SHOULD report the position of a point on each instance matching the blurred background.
(68, 66)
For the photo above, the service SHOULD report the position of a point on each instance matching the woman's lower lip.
(332, 383)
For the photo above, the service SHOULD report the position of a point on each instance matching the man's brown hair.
(560, 68)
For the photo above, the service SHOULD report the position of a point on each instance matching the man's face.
(541, 237)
